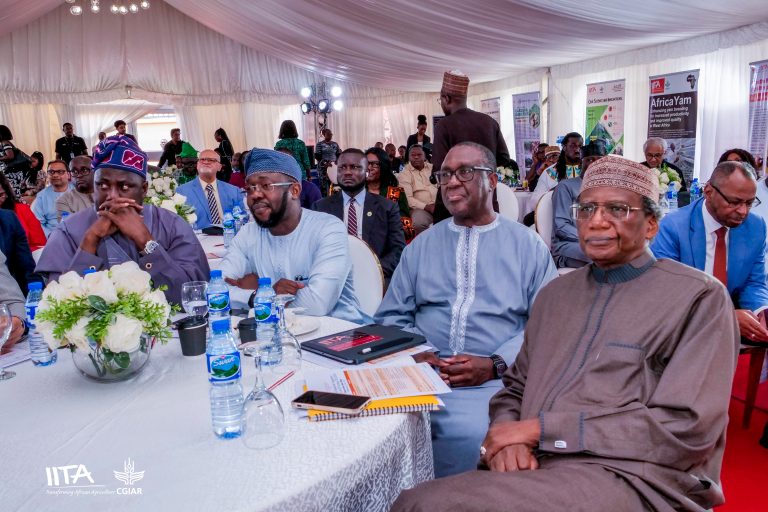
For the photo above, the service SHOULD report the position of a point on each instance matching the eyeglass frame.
(79, 172)
(753, 203)
(56, 172)
(267, 187)
(450, 174)
(207, 160)
(576, 208)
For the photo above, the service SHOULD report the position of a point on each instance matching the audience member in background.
(310, 193)
(402, 154)
(569, 162)
(738, 155)
(121, 228)
(238, 176)
(379, 145)
(394, 162)
(210, 197)
(15, 245)
(537, 165)
(546, 180)
(226, 152)
(419, 138)
(11, 296)
(421, 193)
(70, 145)
(120, 126)
(44, 207)
(12, 164)
(600, 411)
(171, 149)
(654, 150)
(306, 253)
(566, 249)
(37, 161)
(467, 285)
(368, 216)
(35, 235)
(102, 136)
(186, 163)
(81, 196)
(382, 181)
(720, 236)
(289, 139)
(28, 195)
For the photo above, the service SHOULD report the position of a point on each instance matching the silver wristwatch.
(149, 248)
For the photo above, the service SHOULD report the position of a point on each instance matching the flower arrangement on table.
(108, 319)
(161, 192)
(508, 176)
(667, 175)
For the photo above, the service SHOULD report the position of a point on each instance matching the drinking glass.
(194, 299)
(263, 418)
(283, 340)
(6, 324)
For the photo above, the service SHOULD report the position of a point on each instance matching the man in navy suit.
(371, 217)
(210, 197)
(719, 235)
(14, 244)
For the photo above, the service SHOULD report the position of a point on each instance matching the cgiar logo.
(129, 477)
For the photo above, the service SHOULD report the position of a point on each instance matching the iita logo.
(129, 477)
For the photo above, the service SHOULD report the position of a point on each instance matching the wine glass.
(194, 299)
(6, 324)
(263, 418)
(285, 342)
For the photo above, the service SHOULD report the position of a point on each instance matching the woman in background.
(289, 139)
(32, 227)
(226, 152)
(381, 181)
(420, 137)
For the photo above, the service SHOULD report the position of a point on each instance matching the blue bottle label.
(262, 311)
(31, 313)
(218, 302)
(223, 367)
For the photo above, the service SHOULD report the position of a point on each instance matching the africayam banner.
(672, 113)
(526, 109)
(758, 110)
(605, 114)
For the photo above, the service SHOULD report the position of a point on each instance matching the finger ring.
(483, 451)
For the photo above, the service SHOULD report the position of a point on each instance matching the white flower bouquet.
(665, 175)
(508, 176)
(161, 192)
(109, 319)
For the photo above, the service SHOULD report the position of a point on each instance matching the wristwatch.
(499, 366)
(149, 248)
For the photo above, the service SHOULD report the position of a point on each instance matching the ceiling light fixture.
(115, 6)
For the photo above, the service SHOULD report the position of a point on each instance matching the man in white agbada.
(467, 285)
(304, 252)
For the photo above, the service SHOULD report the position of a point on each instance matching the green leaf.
(97, 303)
(122, 359)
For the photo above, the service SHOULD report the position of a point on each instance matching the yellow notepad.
(382, 406)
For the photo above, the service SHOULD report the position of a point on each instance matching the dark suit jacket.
(13, 243)
(382, 229)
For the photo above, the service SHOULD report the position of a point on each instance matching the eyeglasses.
(616, 211)
(736, 203)
(374, 164)
(209, 160)
(350, 167)
(79, 172)
(56, 172)
(654, 155)
(267, 187)
(463, 174)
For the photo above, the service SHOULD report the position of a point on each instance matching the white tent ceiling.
(256, 49)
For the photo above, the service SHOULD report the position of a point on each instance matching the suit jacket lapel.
(204, 217)
(366, 220)
(698, 237)
(738, 247)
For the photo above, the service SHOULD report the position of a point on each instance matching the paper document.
(19, 353)
(379, 381)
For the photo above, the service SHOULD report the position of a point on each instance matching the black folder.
(362, 344)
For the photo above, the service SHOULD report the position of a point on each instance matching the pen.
(385, 346)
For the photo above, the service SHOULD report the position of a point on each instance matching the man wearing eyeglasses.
(210, 197)
(81, 196)
(622, 402)
(304, 252)
(44, 206)
(719, 235)
(467, 285)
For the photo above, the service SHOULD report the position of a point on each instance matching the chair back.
(545, 217)
(507, 200)
(367, 275)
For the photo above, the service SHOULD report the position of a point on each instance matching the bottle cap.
(265, 281)
(215, 274)
(220, 326)
(34, 285)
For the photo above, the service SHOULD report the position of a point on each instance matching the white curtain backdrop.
(89, 120)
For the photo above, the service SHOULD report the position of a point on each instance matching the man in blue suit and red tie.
(718, 235)
(210, 197)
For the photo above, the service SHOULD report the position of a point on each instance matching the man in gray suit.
(11, 296)
(370, 217)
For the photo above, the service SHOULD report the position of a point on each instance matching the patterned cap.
(122, 153)
(455, 83)
(267, 160)
(551, 149)
(617, 172)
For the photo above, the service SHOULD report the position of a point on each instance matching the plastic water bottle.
(218, 297)
(695, 190)
(229, 229)
(264, 311)
(38, 348)
(240, 218)
(672, 197)
(224, 373)
(664, 204)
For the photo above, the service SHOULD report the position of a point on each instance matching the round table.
(160, 420)
(524, 203)
(213, 245)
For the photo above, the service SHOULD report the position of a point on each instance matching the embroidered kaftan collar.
(626, 272)
(480, 229)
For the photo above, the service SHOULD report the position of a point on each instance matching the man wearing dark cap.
(565, 240)
(304, 252)
(121, 228)
(612, 413)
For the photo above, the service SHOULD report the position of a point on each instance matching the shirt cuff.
(83, 261)
(561, 432)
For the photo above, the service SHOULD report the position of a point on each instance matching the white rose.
(46, 329)
(76, 335)
(128, 277)
(656, 172)
(664, 179)
(158, 297)
(99, 284)
(179, 199)
(169, 205)
(53, 291)
(124, 335)
(72, 285)
(192, 218)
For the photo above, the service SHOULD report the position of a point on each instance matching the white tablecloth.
(214, 249)
(161, 421)
(524, 203)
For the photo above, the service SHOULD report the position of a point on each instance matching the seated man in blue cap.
(304, 252)
(121, 228)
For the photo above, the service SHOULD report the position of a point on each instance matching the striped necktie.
(212, 206)
(352, 218)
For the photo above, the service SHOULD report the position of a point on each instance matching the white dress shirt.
(710, 226)
(359, 202)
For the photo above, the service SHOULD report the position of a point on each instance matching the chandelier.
(116, 7)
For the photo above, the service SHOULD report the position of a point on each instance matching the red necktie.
(352, 218)
(720, 268)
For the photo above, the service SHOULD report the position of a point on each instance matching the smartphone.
(333, 402)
